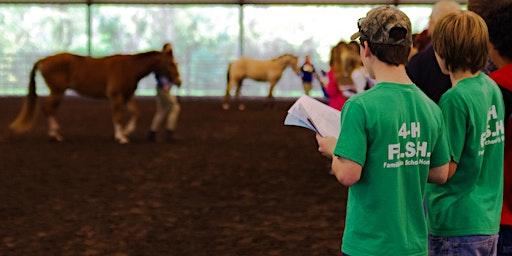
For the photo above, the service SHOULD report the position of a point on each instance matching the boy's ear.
(366, 49)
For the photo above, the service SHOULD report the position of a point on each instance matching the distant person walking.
(167, 107)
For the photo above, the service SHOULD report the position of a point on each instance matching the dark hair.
(390, 54)
(484, 7)
(499, 24)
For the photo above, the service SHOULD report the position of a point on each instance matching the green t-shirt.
(470, 202)
(396, 134)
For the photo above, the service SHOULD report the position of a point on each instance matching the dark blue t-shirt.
(425, 73)
(162, 81)
(307, 72)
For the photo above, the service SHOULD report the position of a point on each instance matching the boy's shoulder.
(381, 92)
(477, 82)
(467, 88)
(368, 94)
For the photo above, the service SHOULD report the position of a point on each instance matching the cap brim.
(355, 36)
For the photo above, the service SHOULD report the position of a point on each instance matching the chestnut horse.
(259, 70)
(114, 78)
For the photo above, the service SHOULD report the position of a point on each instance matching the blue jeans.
(505, 241)
(463, 245)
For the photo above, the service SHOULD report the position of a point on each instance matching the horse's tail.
(225, 101)
(228, 74)
(25, 118)
(228, 78)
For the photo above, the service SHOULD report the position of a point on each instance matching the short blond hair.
(461, 40)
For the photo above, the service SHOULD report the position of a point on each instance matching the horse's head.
(168, 66)
(293, 62)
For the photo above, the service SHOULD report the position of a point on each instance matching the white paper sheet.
(315, 115)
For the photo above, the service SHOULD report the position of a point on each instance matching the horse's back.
(85, 75)
(251, 68)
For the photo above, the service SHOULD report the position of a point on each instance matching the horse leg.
(133, 109)
(270, 91)
(241, 106)
(225, 103)
(50, 106)
(117, 104)
(270, 96)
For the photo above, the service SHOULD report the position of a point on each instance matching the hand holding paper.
(312, 114)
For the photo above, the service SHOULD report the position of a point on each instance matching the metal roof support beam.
(239, 2)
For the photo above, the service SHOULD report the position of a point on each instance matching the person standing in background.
(336, 99)
(499, 22)
(167, 107)
(423, 68)
(308, 72)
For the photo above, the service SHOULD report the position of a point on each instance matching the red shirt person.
(499, 22)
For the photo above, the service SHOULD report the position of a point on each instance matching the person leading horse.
(114, 78)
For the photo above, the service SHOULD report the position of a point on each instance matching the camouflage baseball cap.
(385, 25)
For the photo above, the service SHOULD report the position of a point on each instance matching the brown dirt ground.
(236, 183)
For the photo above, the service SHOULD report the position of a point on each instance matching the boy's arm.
(452, 168)
(346, 171)
(455, 119)
(440, 157)
(348, 153)
(438, 175)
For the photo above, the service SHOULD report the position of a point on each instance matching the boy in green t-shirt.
(391, 143)
(464, 213)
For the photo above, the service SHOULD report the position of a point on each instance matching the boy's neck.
(389, 73)
(456, 76)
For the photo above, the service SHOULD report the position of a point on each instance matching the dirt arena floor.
(235, 183)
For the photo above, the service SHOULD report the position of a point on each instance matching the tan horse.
(259, 70)
(114, 78)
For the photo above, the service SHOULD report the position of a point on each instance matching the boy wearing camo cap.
(391, 143)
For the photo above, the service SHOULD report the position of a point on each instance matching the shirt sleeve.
(441, 151)
(352, 141)
(163, 80)
(455, 119)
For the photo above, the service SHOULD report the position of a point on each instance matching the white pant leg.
(173, 113)
(162, 107)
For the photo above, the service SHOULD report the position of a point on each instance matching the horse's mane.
(284, 55)
(137, 55)
(146, 54)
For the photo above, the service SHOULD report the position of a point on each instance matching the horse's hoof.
(225, 106)
(241, 107)
(56, 138)
(128, 132)
(129, 129)
(122, 141)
